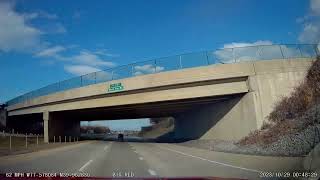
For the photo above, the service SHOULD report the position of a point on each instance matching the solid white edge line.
(152, 172)
(85, 165)
(216, 162)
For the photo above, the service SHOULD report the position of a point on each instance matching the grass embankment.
(159, 128)
(19, 142)
(18, 145)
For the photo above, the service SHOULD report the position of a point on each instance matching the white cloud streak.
(147, 69)
(310, 33)
(259, 50)
(51, 52)
(15, 32)
(84, 61)
(245, 44)
(242, 52)
(315, 6)
(89, 58)
(310, 24)
(80, 69)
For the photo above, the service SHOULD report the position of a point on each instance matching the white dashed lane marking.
(215, 162)
(85, 165)
(152, 172)
(141, 158)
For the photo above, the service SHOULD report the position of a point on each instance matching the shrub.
(100, 129)
(313, 77)
(266, 125)
(95, 129)
(270, 135)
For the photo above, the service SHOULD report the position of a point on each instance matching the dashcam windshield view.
(167, 89)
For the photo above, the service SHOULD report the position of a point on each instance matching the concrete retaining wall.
(273, 80)
(229, 120)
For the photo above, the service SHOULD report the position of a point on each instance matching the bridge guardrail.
(204, 58)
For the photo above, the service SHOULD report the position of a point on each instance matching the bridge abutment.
(229, 119)
(55, 125)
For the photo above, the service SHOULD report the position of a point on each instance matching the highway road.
(124, 159)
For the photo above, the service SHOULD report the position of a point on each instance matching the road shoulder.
(41, 152)
(260, 163)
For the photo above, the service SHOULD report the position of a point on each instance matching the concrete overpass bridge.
(221, 94)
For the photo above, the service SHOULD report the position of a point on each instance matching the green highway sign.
(115, 87)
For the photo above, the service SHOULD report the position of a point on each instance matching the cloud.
(315, 7)
(259, 50)
(82, 63)
(89, 58)
(16, 34)
(242, 51)
(310, 33)
(147, 69)
(310, 24)
(30, 16)
(51, 52)
(80, 69)
(104, 52)
(77, 63)
(40, 14)
(244, 44)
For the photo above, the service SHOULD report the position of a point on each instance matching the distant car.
(120, 137)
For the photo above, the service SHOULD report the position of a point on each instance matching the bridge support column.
(46, 126)
(59, 125)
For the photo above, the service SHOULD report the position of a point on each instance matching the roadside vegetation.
(94, 129)
(158, 127)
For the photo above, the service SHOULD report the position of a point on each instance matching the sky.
(42, 42)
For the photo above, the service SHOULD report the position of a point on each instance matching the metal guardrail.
(219, 56)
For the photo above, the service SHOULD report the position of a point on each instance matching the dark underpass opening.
(159, 129)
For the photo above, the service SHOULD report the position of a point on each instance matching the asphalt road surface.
(123, 159)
